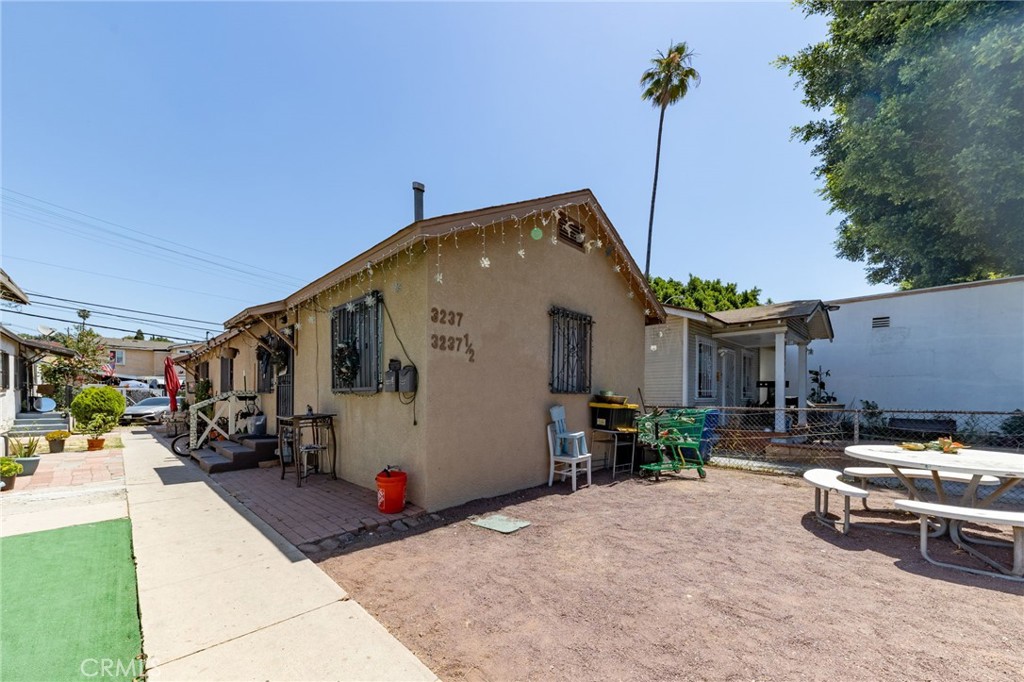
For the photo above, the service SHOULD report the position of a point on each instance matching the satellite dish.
(44, 330)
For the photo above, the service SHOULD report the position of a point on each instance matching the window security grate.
(571, 350)
(356, 344)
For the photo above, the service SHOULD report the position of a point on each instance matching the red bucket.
(391, 491)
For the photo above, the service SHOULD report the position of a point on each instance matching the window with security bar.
(356, 345)
(227, 375)
(705, 368)
(5, 371)
(571, 350)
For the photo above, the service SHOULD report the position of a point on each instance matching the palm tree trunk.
(654, 194)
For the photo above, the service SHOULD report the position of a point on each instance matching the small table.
(320, 442)
(611, 438)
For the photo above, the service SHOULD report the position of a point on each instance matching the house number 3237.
(442, 316)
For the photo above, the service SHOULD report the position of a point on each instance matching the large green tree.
(90, 354)
(665, 83)
(706, 295)
(923, 149)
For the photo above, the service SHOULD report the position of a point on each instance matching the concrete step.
(30, 416)
(240, 455)
(37, 426)
(262, 445)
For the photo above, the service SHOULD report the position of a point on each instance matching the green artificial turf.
(68, 604)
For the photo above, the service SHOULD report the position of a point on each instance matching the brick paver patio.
(322, 508)
(70, 469)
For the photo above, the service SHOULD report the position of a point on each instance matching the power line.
(261, 272)
(101, 326)
(103, 313)
(127, 310)
(128, 279)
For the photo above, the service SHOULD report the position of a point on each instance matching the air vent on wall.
(879, 322)
(569, 230)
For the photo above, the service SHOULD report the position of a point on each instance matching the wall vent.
(879, 322)
(569, 230)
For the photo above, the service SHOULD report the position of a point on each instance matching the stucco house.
(697, 359)
(481, 320)
(951, 348)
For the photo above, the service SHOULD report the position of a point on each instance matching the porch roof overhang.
(757, 327)
(255, 314)
(422, 231)
(9, 291)
(207, 347)
(40, 348)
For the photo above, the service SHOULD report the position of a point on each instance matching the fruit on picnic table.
(944, 444)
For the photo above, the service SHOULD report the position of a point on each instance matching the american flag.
(108, 370)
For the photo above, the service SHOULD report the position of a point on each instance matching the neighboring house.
(18, 375)
(138, 359)
(490, 317)
(698, 359)
(951, 348)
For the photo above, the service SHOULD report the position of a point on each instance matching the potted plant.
(24, 453)
(99, 425)
(9, 470)
(56, 439)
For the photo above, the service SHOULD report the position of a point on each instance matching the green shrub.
(8, 467)
(100, 424)
(59, 434)
(97, 400)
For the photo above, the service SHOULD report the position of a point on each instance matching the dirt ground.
(729, 578)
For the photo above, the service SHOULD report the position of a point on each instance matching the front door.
(728, 378)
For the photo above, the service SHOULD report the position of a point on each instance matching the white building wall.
(953, 348)
(9, 397)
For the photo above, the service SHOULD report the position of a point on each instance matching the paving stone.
(414, 521)
(435, 517)
(329, 545)
(399, 526)
(308, 548)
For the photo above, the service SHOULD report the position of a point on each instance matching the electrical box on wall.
(407, 379)
(391, 376)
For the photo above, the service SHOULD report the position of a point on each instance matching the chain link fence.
(746, 437)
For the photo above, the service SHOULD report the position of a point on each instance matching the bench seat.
(886, 472)
(998, 517)
(828, 481)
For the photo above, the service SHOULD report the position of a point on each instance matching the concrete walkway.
(224, 597)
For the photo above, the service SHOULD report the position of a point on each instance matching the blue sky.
(279, 140)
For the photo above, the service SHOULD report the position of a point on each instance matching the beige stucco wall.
(487, 418)
(372, 430)
(480, 424)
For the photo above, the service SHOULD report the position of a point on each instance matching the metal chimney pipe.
(417, 200)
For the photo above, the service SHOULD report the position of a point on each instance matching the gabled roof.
(136, 344)
(812, 313)
(253, 313)
(9, 291)
(423, 230)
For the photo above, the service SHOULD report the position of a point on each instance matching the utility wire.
(161, 285)
(142, 251)
(103, 313)
(101, 326)
(127, 310)
(262, 272)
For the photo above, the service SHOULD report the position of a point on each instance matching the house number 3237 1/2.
(442, 316)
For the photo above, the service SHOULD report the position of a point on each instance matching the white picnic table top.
(1005, 465)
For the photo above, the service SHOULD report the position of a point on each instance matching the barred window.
(5, 371)
(571, 341)
(356, 344)
(203, 371)
(705, 368)
(264, 371)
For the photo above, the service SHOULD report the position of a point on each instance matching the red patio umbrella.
(171, 382)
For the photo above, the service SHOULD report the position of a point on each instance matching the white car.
(148, 410)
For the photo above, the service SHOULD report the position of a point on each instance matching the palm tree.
(665, 83)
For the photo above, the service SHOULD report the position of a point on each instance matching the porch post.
(780, 381)
(801, 382)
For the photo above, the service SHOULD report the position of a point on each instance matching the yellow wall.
(480, 428)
